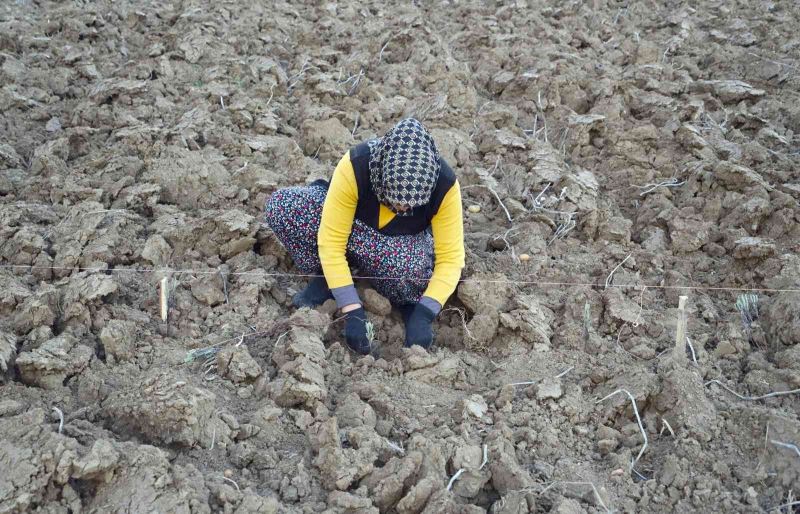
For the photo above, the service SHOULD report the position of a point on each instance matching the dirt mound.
(613, 157)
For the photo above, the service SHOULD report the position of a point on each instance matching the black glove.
(315, 293)
(418, 327)
(355, 331)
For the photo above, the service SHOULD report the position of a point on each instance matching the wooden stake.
(164, 299)
(679, 353)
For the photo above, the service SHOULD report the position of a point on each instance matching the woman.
(393, 211)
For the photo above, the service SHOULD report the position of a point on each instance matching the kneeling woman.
(392, 210)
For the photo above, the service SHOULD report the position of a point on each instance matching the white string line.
(462, 280)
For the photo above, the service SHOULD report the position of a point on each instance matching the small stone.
(631, 430)
(246, 431)
(724, 348)
(568, 506)
(474, 406)
(417, 358)
(205, 290)
(505, 396)
(54, 125)
(353, 412)
(161, 408)
(616, 228)
(261, 386)
(581, 430)
(302, 419)
(8, 350)
(324, 138)
(606, 446)
(236, 364)
(549, 389)
(10, 408)
(156, 250)
(729, 91)
(118, 338)
(98, 464)
(365, 362)
(605, 432)
(328, 308)
(376, 304)
(643, 351)
(228, 473)
(56, 359)
(753, 248)
(474, 209)
(524, 257)
(229, 420)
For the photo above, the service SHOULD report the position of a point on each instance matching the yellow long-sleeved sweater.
(338, 213)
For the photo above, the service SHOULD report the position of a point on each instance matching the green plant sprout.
(370, 332)
(747, 305)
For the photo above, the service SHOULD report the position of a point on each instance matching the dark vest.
(368, 207)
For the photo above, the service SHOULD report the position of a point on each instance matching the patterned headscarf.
(404, 166)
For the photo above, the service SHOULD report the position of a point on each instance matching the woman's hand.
(355, 329)
(418, 327)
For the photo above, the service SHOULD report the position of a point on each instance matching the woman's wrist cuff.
(430, 303)
(345, 295)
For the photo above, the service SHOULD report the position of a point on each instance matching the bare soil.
(602, 147)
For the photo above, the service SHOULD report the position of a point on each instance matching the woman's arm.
(448, 247)
(334, 230)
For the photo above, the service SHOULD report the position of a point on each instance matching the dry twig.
(608, 278)
(355, 79)
(649, 188)
(294, 79)
(271, 92)
(764, 451)
(463, 316)
(485, 457)
(564, 228)
(787, 445)
(455, 477)
(596, 492)
(224, 284)
(524, 383)
(785, 505)
(240, 169)
(763, 396)
(497, 197)
(234, 483)
(691, 347)
(380, 55)
(774, 62)
(504, 238)
(396, 447)
(667, 426)
(638, 420)
(565, 372)
(60, 419)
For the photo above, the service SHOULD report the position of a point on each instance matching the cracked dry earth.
(659, 140)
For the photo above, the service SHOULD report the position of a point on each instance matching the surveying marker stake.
(164, 300)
